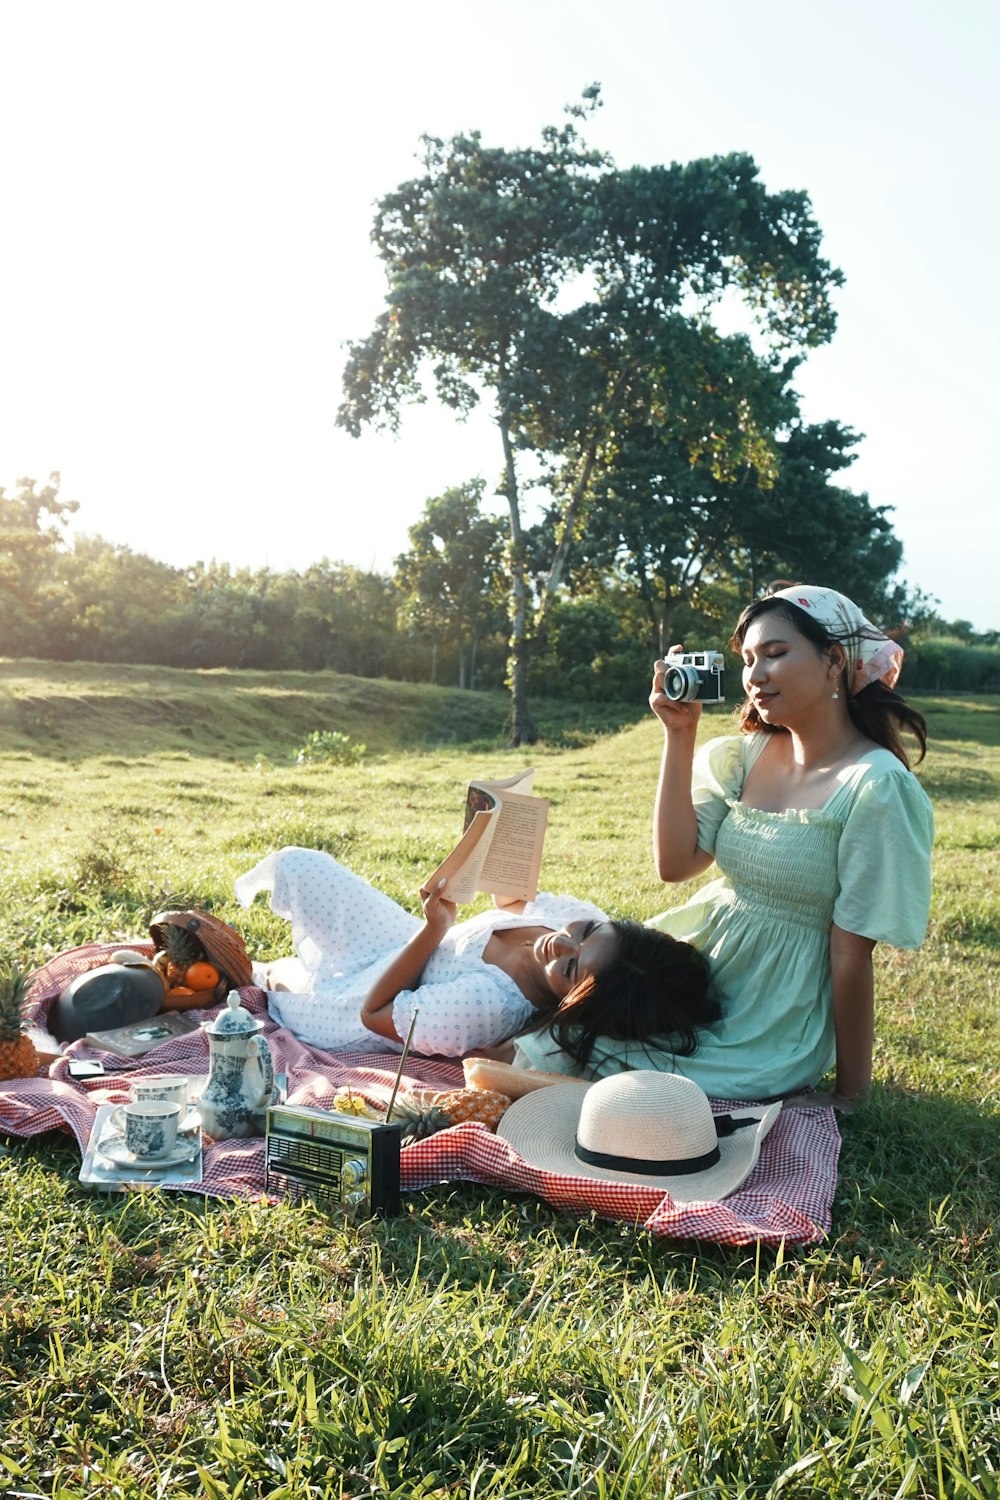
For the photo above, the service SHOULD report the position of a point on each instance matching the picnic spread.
(786, 1196)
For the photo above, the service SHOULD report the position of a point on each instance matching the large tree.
(572, 296)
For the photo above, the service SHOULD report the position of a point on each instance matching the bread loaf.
(484, 1073)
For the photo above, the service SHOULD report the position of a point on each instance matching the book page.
(515, 853)
(522, 782)
(463, 866)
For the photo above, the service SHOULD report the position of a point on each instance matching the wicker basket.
(222, 943)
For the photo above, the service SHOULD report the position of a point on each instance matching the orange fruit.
(201, 976)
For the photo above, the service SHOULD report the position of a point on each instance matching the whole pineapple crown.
(182, 946)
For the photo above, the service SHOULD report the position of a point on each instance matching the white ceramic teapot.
(241, 1074)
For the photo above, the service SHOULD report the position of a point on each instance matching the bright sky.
(187, 192)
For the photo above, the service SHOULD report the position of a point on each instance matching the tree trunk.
(681, 594)
(579, 495)
(666, 616)
(523, 730)
(650, 605)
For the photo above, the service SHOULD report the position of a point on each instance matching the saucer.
(115, 1149)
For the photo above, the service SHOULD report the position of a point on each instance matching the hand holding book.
(439, 909)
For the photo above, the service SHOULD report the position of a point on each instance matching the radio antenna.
(402, 1064)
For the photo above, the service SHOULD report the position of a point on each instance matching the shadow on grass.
(973, 717)
(961, 783)
(917, 1167)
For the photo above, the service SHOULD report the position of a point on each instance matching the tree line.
(635, 335)
(440, 616)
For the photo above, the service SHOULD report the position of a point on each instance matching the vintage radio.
(338, 1161)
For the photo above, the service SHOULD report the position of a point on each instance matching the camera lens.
(681, 684)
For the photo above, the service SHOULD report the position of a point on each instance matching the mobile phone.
(80, 1068)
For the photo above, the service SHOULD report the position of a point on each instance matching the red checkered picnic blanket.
(788, 1196)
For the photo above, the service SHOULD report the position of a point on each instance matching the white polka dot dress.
(346, 934)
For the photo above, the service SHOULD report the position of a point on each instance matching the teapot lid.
(234, 1021)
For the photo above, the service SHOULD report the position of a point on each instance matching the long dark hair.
(878, 712)
(655, 992)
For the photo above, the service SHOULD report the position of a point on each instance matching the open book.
(500, 851)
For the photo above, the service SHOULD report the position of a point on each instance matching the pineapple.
(18, 1058)
(422, 1112)
(182, 949)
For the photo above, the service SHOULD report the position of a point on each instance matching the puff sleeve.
(461, 1014)
(716, 780)
(884, 862)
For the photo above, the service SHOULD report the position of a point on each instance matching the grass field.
(482, 1345)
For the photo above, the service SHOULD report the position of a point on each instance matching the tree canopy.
(89, 599)
(669, 525)
(581, 302)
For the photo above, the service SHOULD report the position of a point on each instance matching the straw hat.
(642, 1128)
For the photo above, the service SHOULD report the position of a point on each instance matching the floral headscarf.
(871, 656)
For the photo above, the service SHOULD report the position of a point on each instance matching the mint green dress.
(862, 862)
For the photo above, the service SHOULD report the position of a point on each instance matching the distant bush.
(946, 664)
(330, 747)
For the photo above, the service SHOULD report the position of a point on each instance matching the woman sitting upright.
(822, 836)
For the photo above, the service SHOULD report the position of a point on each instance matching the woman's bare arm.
(675, 827)
(853, 1009)
(405, 971)
(513, 905)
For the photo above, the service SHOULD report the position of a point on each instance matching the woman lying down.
(557, 963)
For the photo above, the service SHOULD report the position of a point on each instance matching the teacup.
(169, 1087)
(151, 1127)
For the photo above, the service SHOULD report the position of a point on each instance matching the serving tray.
(100, 1172)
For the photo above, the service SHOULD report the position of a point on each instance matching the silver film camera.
(695, 676)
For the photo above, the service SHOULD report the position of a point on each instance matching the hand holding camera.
(682, 682)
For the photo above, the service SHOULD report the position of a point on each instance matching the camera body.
(695, 676)
(341, 1162)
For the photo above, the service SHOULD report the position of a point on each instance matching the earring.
(835, 693)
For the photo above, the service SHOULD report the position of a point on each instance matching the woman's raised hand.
(674, 717)
(439, 912)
